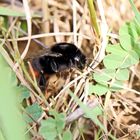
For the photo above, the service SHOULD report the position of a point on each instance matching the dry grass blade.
(29, 24)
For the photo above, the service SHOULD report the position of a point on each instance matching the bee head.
(79, 60)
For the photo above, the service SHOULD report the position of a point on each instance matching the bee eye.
(77, 58)
(80, 61)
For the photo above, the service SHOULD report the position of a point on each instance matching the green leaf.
(90, 88)
(129, 28)
(67, 135)
(12, 125)
(115, 86)
(3, 23)
(55, 126)
(127, 58)
(137, 26)
(6, 11)
(59, 120)
(129, 35)
(127, 41)
(48, 129)
(9, 11)
(89, 112)
(23, 27)
(1, 136)
(113, 61)
(93, 113)
(33, 113)
(130, 59)
(137, 14)
(122, 74)
(137, 48)
(104, 76)
(122, 60)
(99, 89)
(132, 29)
(115, 49)
(24, 94)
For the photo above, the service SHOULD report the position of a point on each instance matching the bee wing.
(53, 54)
(45, 53)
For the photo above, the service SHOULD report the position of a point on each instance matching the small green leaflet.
(59, 120)
(129, 35)
(104, 76)
(116, 85)
(33, 113)
(51, 128)
(127, 42)
(23, 93)
(98, 89)
(122, 74)
(67, 135)
(48, 129)
(115, 49)
(130, 28)
(120, 60)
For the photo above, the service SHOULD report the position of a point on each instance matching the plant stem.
(93, 17)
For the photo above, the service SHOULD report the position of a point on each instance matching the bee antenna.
(93, 62)
(34, 39)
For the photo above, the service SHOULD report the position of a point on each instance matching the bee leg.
(42, 81)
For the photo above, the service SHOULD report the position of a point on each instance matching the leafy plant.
(120, 57)
(32, 113)
(52, 128)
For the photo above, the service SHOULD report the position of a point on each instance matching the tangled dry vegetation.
(69, 21)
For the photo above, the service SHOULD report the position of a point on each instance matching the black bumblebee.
(59, 57)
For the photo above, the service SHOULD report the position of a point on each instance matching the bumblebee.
(59, 57)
